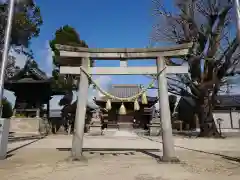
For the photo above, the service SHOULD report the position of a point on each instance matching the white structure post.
(7, 38)
(14, 113)
(77, 142)
(167, 137)
(38, 112)
(4, 133)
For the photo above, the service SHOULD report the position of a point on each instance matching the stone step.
(125, 125)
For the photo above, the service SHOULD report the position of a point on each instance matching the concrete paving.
(202, 144)
(221, 146)
(63, 141)
(48, 159)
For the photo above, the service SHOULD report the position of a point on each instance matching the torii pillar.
(79, 124)
(167, 137)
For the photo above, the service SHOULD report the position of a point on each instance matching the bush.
(7, 109)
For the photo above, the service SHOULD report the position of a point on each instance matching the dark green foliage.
(172, 102)
(65, 35)
(7, 108)
(26, 23)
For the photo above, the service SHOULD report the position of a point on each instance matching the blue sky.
(105, 23)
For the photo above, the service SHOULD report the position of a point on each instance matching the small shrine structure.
(32, 88)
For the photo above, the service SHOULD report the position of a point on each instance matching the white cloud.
(10, 96)
(20, 58)
(54, 102)
(103, 81)
(45, 56)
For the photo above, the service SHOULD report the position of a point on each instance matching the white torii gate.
(72, 58)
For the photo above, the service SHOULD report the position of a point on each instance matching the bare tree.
(209, 24)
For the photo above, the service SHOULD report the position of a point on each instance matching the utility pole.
(7, 38)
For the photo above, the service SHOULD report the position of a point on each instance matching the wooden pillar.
(167, 137)
(77, 142)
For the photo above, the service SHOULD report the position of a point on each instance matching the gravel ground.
(41, 160)
(49, 164)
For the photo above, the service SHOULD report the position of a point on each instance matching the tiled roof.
(31, 73)
(228, 101)
(124, 90)
(223, 101)
(39, 73)
(149, 98)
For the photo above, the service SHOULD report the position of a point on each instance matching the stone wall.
(28, 125)
(230, 119)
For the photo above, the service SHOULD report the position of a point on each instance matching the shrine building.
(142, 117)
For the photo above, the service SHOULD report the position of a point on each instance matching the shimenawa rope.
(135, 97)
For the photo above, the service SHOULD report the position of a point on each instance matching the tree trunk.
(208, 127)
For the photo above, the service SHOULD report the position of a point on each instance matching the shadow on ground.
(110, 149)
(236, 159)
(117, 151)
(17, 139)
(152, 153)
(10, 153)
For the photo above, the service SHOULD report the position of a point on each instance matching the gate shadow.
(116, 151)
